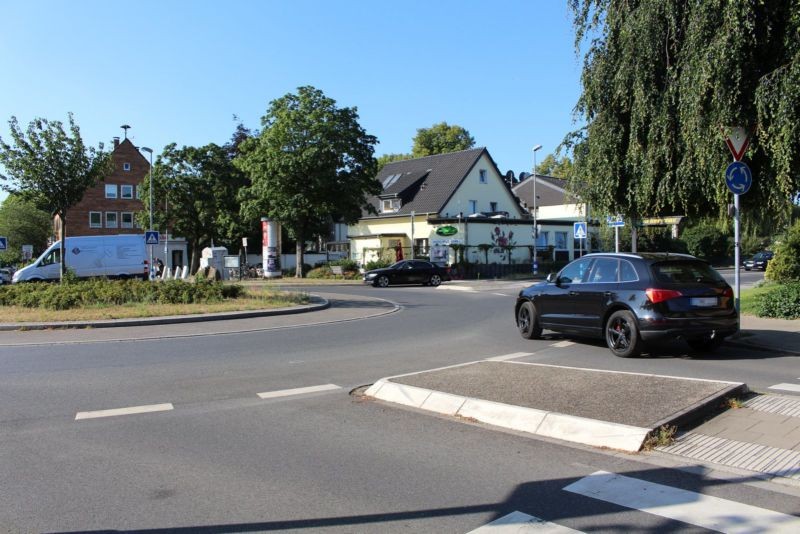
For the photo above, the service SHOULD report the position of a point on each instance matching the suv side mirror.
(552, 278)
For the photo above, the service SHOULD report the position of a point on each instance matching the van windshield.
(54, 256)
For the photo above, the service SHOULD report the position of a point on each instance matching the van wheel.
(622, 335)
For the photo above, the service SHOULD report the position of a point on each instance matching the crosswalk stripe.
(519, 523)
(681, 505)
(787, 387)
(563, 344)
(298, 391)
(512, 356)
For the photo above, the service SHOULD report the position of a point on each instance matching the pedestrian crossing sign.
(579, 230)
(151, 237)
(3, 243)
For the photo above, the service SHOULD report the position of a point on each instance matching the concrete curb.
(320, 304)
(593, 432)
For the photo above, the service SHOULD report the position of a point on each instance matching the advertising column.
(271, 248)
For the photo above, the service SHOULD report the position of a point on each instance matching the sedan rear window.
(686, 271)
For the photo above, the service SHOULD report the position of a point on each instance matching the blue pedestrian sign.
(3, 243)
(738, 177)
(151, 237)
(579, 230)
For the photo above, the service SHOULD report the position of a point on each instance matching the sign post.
(616, 223)
(738, 179)
(151, 238)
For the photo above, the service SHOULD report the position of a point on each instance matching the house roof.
(426, 184)
(550, 190)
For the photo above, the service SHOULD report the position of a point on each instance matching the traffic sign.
(737, 139)
(615, 221)
(151, 237)
(3, 243)
(738, 177)
(579, 230)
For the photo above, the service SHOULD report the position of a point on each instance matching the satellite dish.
(524, 176)
(510, 177)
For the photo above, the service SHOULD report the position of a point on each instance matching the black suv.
(630, 299)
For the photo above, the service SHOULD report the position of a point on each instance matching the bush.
(785, 265)
(705, 240)
(85, 293)
(783, 302)
(346, 265)
(377, 264)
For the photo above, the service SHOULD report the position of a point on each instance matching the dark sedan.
(758, 261)
(408, 272)
(631, 299)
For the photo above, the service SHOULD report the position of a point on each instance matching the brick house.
(110, 206)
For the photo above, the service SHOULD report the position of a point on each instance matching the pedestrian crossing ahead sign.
(579, 230)
(151, 238)
(3, 243)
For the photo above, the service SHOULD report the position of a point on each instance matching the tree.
(660, 79)
(440, 139)
(388, 158)
(555, 166)
(23, 224)
(199, 185)
(312, 163)
(52, 168)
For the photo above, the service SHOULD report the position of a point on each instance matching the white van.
(114, 256)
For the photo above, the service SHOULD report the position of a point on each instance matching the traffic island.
(589, 406)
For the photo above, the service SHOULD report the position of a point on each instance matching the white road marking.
(519, 523)
(501, 294)
(681, 505)
(297, 391)
(787, 387)
(124, 411)
(511, 356)
(562, 344)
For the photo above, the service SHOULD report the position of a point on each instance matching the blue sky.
(177, 71)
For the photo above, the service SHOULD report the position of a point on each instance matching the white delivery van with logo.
(113, 256)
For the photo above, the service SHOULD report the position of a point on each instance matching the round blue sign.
(738, 177)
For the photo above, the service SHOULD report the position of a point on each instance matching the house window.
(94, 219)
(543, 240)
(127, 219)
(561, 240)
(111, 190)
(111, 219)
(473, 206)
(126, 167)
(391, 205)
(126, 191)
(482, 176)
(492, 206)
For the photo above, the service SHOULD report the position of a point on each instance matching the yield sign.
(737, 139)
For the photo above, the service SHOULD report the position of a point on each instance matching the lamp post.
(150, 151)
(535, 209)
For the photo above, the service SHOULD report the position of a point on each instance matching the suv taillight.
(660, 295)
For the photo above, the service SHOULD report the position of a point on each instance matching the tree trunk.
(194, 263)
(62, 246)
(298, 271)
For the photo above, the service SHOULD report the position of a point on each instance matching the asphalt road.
(216, 457)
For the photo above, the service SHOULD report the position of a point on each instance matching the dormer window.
(391, 205)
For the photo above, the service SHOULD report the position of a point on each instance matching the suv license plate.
(704, 301)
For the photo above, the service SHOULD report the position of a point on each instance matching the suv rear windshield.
(685, 271)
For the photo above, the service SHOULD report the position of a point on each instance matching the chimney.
(116, 142)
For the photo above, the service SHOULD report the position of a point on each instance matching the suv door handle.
(607, 294)
(573, 293)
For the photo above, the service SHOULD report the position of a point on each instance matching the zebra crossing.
(686, 507)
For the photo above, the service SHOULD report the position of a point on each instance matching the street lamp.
(535, 208)
(150, 151)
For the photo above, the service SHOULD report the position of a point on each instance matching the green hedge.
(782, 302)
(89, 293)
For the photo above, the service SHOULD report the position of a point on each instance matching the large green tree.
(440, 139)
(195, 197)
(311, 163)
(51, 167)
(558, 167)
(23, 224)
(661, 78)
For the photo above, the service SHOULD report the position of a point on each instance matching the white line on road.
(787, 387)
(681, 505)
(501, 294)
(124, 411)
(562, 344)
(519, 523)
(297, 391)
(511, 356)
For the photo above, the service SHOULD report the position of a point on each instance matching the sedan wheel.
(622, 335)
(435, 280)
(382, 281)
(528, 321)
